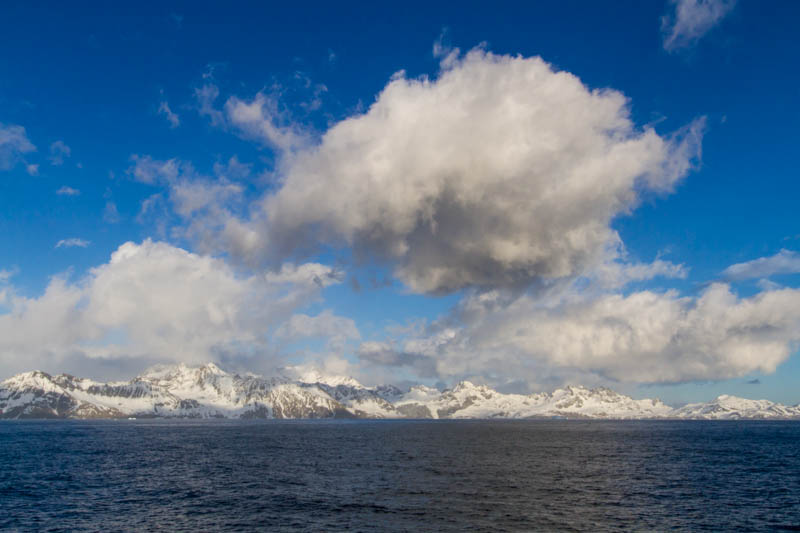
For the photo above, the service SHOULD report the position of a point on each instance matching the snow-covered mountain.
(732, 408)
(466, 400)
(165, 391)
(208, 391)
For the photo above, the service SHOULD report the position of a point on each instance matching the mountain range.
(207, 391)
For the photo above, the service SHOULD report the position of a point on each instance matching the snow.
(305, 374)
(209, 391)
(727, 407)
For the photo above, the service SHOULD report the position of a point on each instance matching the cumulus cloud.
(173, 119)
(691, 20)
(67, 191)
(58, 152)
(499, 172)
(14, 143)
(784, 262)
(72, 242)
(153, 301)
(644, 336)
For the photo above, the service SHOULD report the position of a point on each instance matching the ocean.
(362, 475)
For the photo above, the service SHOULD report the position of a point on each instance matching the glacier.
(207, 391)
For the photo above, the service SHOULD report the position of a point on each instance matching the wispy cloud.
(14, 143)
(58, 152)
(691, 20)
(177, 18)
(6, 275)
(206, 97)
(66, 190)
(110, 213)
(784, 262)
(72, 243)
(172, 118)
(262, 119)
(152, 171)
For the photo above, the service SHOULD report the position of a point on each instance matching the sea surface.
(545, 475)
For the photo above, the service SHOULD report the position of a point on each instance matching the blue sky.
(276, 171)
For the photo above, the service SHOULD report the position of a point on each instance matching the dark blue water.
(399, 476)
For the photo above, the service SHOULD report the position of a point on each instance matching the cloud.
(58, 152)
(386, 355)
(14, 143)
(177, 19)
(206, 96)
(784, 262)
(153, 301)
(205, 205)
(320, 275)
(67, 191)
(768, 285)
(6, 275)
(262, 119)
(72, 242)
(189, 197)
(642, 337)
(172, 118)
(32, 169)
(499, 172)
(151, 171)
(691, 20)
(233, 169)
(619, 273)
(336, 329)
(111, 213)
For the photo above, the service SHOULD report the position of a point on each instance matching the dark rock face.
(414, 411)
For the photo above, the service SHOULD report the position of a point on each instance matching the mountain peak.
(182, 390)
(172, 371)
(312, 375)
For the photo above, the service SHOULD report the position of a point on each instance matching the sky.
(525, 196)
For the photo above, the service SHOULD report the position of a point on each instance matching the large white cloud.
(153, 301)
(499, 172)
(645, 336)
